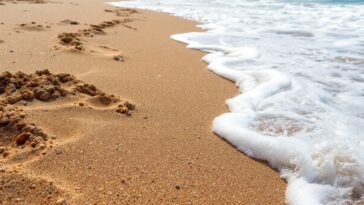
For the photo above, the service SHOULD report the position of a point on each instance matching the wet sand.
(162, 153)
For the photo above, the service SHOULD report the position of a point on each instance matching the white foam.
(300, 69)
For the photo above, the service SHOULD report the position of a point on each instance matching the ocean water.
(299, 67)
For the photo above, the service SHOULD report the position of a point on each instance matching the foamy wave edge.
(234, 126)
(308, 182)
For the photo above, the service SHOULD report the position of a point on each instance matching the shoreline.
(165, 152)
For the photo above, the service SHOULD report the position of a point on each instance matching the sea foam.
(299, 66)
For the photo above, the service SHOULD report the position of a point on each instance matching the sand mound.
(15, 130)
(41, 85)
(71, 40)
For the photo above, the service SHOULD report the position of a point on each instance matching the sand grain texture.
(165, 153)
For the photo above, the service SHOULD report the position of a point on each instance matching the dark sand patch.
(24, 1)
(33, 26)
(69, 22)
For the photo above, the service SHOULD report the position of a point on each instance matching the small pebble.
(5, 154)
(74, 23)
(62, 201)
(119, 58)
(178, 187)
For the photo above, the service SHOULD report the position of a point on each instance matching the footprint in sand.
(22, 98)
(123, 12)
(16, 188)
(20, 93)
(76, 41)
(105, 51)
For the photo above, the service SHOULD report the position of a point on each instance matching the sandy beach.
(97, 147)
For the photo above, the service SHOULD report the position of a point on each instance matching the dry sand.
(163, 153)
